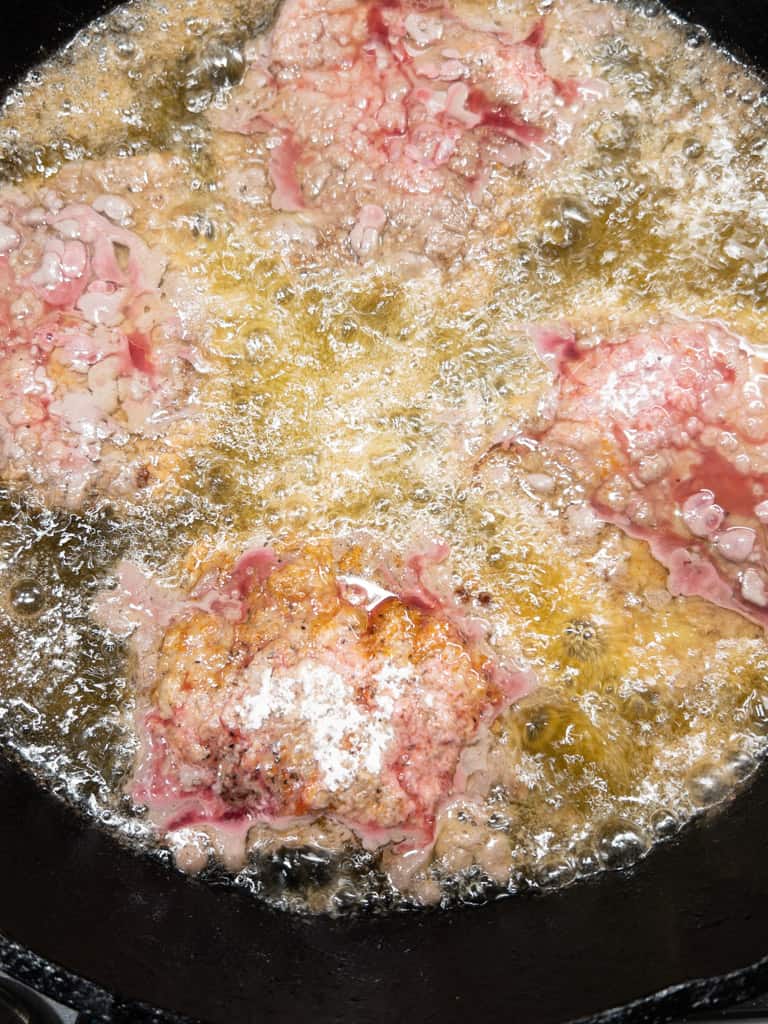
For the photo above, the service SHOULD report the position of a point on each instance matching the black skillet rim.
(730, 841)
(97, 1006)
(72, 871)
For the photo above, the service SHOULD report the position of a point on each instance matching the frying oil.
(341, 398)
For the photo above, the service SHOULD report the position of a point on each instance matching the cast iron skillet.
(687, 928)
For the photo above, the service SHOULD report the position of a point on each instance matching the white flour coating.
(345, 740)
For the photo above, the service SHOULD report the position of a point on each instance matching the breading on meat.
(94, 364)
(283, 688)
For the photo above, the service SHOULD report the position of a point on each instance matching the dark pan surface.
(741, 27)
(695, 908)
(685, 924)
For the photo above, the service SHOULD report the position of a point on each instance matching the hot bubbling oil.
(648, 708)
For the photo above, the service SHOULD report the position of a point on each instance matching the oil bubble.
(620, 843)
(582, 639)
(221, 66)
(472, 887)
(696, 36)
(27, 597)
(664, 823)
(650, 8)
(125, 48)
(303, 866)
(499, 822)
(555, 874)
(693, 149)
(757, 709)
(740, 763)
(565, 220)
(709, 783)
(494, 556)
(617, 133)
